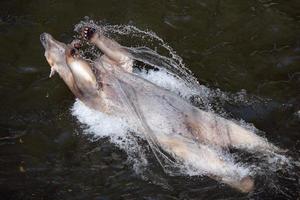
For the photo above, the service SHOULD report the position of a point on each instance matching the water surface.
(244, 48)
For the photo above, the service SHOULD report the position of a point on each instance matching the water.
(246, 54)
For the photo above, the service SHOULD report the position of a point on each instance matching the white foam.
(99, 124)
(117, 130)
(167, 81)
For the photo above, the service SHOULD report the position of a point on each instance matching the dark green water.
(231, 45)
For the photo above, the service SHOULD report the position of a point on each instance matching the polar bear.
(184, 131)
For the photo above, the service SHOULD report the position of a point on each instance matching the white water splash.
(165, 80)
(117, 130)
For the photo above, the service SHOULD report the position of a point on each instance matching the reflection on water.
(248, 49)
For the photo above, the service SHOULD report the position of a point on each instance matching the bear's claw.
(88, 33)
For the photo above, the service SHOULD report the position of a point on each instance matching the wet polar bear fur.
(201, 129)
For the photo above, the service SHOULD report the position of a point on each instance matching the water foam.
(164, 79)
(100, 124)
(117, 130)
